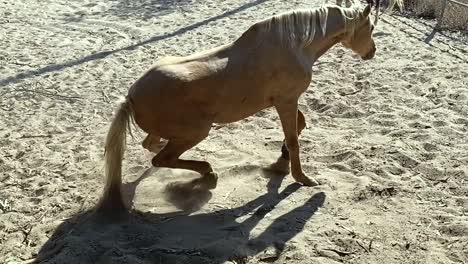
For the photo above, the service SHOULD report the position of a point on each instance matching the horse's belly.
(223, 118)
(231, 111)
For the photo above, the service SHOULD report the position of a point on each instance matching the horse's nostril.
(369, 55)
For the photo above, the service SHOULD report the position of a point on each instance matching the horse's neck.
(336, 29)
(314, 52)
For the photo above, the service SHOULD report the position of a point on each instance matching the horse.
(177, 101)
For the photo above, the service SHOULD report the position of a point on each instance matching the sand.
(387, 138)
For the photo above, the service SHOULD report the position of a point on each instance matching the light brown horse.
(269, 65)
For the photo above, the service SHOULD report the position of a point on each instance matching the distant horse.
(269, 65)
(389, 7)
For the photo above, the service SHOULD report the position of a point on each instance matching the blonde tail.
(111, 201)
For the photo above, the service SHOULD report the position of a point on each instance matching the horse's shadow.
(183, 195)
(212, 237)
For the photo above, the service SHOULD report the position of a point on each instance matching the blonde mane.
(298, 28)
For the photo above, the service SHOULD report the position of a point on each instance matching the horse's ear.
(366, 11)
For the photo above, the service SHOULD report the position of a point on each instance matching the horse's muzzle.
(370, 54)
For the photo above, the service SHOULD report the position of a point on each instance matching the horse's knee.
(163, 161)
(210, 180)
(301, 123)
(147, 141)
(156, 161)
(202, 167)
(153, 143)
(292, 145)
(285, 151)
(207, 168)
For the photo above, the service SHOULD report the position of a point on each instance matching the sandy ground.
(386, 137)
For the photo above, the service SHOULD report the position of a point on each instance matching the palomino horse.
(269, 65)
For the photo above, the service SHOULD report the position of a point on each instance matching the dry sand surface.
(387, 138)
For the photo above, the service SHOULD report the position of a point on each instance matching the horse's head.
(360, 38)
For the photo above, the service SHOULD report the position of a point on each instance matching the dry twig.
(351, 93)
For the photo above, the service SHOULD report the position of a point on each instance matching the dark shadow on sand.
(147, 9)
(184, 195)
(213, 237)
(429, 36)
(103, 54)
(133, 9)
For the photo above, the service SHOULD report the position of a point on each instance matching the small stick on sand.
(346, 228)
(370, 244)
(351, 93)
(229, 193)
(36, 136)
(106, 97)
(26, 235)
(339, 252)
(359, 243)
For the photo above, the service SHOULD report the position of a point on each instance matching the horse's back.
(222, 85)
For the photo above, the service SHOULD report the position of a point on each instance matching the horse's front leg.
(301, 124)
(282, 164)
(288, 114)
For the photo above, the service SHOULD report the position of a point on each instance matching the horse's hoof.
(306, 181)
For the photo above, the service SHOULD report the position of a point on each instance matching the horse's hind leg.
(288, 114)
(169, 155)
(153, 143)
